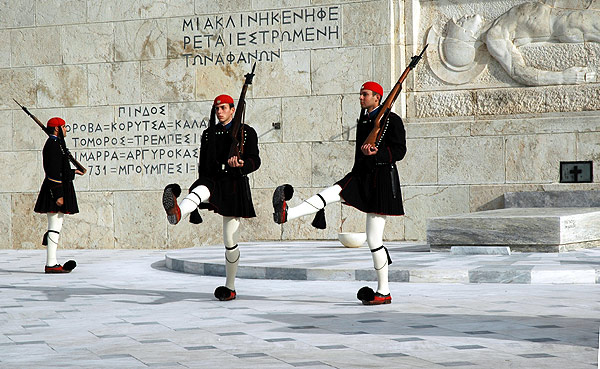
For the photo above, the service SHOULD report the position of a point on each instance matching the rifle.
(78, 165)
(237, 146)
(378, 130)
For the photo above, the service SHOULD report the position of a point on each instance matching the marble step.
(522, 229)
(552, 199)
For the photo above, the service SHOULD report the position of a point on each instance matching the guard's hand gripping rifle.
(237, 129)
(374, 137)
(78, 165)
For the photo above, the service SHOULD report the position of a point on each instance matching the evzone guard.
(57, 195)
(228, 153)
(372, 186)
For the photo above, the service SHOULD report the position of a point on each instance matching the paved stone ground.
(123, 309)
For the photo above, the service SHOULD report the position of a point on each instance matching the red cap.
(223, 99)
(55, 122)
(373, 86)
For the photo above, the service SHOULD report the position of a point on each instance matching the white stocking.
(189, 203)
(232, 252)
(375, 226)
(314, 204)
(55, 221)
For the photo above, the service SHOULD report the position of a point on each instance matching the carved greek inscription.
(141, 141)
(258, 36)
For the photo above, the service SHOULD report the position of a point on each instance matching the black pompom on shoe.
(223, 293)
(175, 188)
(288, 191)
(69, 265)
(282, 194)
(365, 294)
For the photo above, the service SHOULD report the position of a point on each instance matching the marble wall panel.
(17, 84)
(5, 49)
(536, 124)
(303, 118)
(363, 23)
(340, 70)
(274, 4)
(284, 163)
(440, 104)
(589, 149)
(55, 12)
(288, 76)
(113, 10)
(425, 202)
(323, 2)
(190, 110)
(17, 13)
(212, 81)
(301, 228)
(450, 127)
(62, 86)
(88, 43)
(420, 165)
(262, 114)
(85, 115)
(331, 162)
(27, 227)
(536, 158)
(387, 68)
(5, 221)
(22, 168)
(124, 86)
(93, 227)
(350, 112)
(262, 227)
(164, 8)
(28, 45)
(141, 40)
(146, 227)
(166, 81)
(209, 7)
(6, 129)
(471, 160)
(26, 134)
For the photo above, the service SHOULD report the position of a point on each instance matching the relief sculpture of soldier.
(564, 21)
(223, 185)
(57, 195)
(372, 186)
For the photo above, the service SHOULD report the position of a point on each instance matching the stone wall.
(135, 80)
